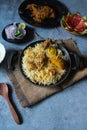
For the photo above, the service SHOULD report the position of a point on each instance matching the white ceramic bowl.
(2, 52)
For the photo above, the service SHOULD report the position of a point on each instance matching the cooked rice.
(37, 66)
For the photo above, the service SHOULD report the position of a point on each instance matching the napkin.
(29, 94)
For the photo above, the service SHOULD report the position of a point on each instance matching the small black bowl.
(29, 35)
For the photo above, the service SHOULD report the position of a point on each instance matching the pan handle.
(75, 61)
(10, 61)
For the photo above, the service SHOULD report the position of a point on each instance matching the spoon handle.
(14, 114)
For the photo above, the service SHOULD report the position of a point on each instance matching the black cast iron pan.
(70, 57)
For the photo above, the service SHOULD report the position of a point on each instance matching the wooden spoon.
(4, 93)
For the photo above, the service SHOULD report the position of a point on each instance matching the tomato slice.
(75, 22)
(81, 26)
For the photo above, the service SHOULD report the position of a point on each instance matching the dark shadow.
(83, 62)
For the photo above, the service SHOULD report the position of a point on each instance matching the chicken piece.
(40, 60)
(40, 12)
(46, 43)
(31, 66)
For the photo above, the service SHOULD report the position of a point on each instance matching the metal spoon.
(4, 93)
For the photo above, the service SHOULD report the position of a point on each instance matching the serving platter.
(59, 8)
(68, 65)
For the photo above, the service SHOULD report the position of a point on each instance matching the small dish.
(74, 24)
(2, 52)
(15, 31)
(27, 34)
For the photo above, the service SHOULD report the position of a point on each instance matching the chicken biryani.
(44, 63)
